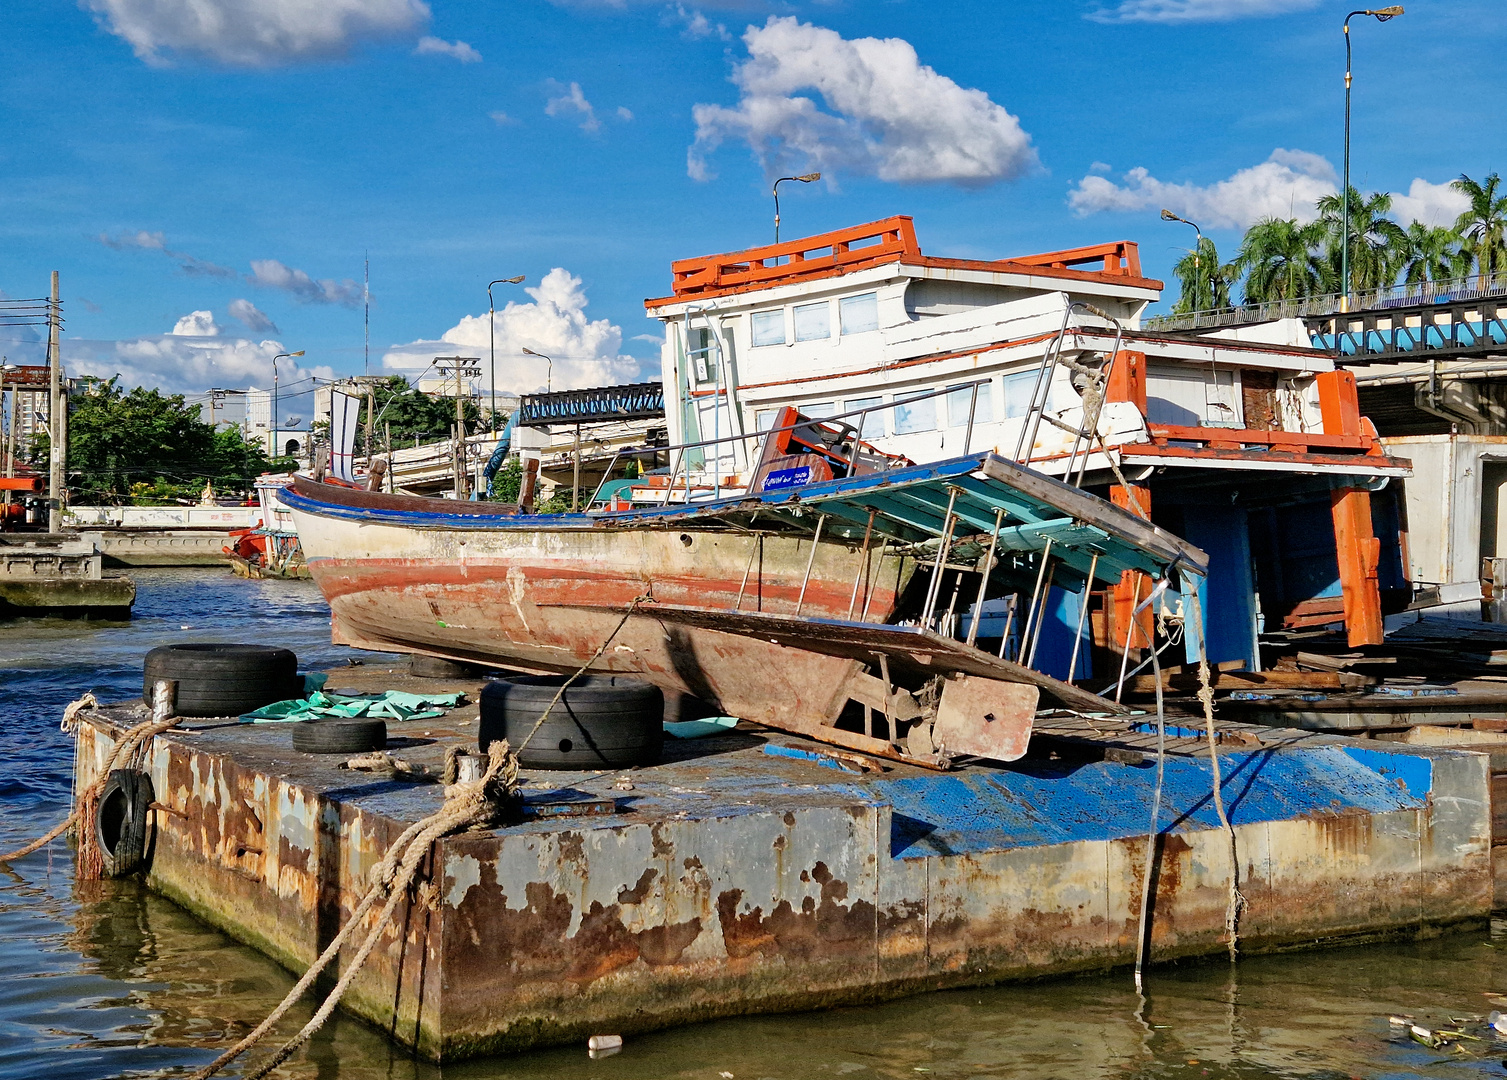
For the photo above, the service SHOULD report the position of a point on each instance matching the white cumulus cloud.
(1285, 185)
(586, 352)
(887, 114)
(253, 33)
(456, 50)
(255, 319)
(570, 100)
(1180, 11)
(191, 358)
(1432, 204)
(271, 274)
(196, 324)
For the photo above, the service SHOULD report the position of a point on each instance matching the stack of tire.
(219, 679)
(600, 721)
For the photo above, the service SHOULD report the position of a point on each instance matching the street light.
(1168, 215)
(272, 435)
(804, 178)
(550, 384)
(1380, 15)
(492, 335)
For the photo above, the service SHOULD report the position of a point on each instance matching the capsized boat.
(829, 608)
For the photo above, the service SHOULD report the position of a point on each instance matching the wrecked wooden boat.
(831, 608)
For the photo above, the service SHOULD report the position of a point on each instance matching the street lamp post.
(1168, 215)
(272, 434)
(804, 178)
(492, 336)
(1380, 15)
(550, 380)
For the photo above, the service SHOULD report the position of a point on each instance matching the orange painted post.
(1355, 546)
(1133, 587)
(1339, 404)
(1358, 552)
(1127, 381)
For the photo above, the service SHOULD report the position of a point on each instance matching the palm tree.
(1482, 227)
(1376, 241)
(1432, 253)
(1205, 283)
(1280, 261)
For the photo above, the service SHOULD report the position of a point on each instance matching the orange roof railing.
(890, 240)
(1121, 258)
(878, 241)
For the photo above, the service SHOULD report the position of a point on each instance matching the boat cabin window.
(873, 423)
(769, 327)
(859, 314)
(960, 399)
(701, 355)
(1018, 389)
(820, 410)
(764, 419)
(813, 322)
(914, 416)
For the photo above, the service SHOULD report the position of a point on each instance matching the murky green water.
(106, 979)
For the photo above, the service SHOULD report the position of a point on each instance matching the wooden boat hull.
(546, 600)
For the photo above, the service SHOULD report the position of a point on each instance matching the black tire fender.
(600, 722)
(340, 735)
(122, 821)
(221, 679)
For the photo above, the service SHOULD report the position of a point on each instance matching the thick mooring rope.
(90, 862)
(466, 804)
(1206, 697)
(475, 802)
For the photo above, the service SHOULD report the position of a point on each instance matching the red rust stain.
(742, 935)
(660, 946)
(601, 946)
(824, 929)
(636, 894)
(663, 849)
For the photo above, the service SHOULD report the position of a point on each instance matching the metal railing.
(633, 401)
(1405, 295)
(681, 451)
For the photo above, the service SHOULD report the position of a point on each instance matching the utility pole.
(57, 442)
(458, 366)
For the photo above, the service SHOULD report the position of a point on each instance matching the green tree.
(1377, 243)
(1482, 227)
(1280, 260)
(1205, 282)
(1431, 253)
(145, 446)
(409, 414)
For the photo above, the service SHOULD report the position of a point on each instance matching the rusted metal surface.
(985, 717)
(732, 881)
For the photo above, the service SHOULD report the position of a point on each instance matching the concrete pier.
(756, 872)
(59, 574)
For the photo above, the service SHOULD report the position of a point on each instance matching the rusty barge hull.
(750, 874)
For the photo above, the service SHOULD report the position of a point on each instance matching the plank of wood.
(1255, 680)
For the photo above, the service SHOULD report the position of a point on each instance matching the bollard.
(164, 699)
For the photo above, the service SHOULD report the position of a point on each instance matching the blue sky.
(239, 157)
